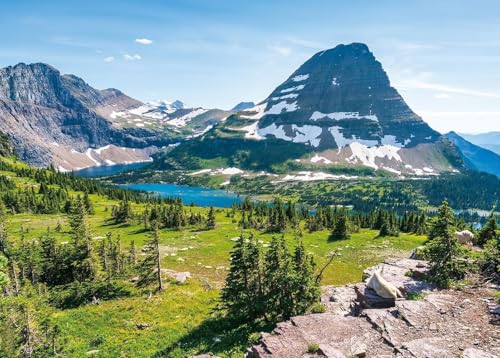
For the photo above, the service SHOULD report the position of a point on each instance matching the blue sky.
(443, 56)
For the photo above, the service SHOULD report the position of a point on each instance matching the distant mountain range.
(489, 140)
(59, 119)
(477, 158)
(337, 109)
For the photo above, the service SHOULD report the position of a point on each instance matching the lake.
(196, 195)
(106, 170)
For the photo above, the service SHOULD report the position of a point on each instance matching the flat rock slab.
(337, 336)
(441, 324)
(340, 300)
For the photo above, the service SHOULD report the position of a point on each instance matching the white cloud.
(307, 43)
(109, 59)
(144, 41)
(442, 96)
(281, 50)
(418, 84)
(463, 122)
(135, 57)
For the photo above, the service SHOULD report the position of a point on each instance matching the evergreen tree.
(306, 289)
(444, 250)
(234, 295)
(211, 218)
(488, 232)
(341, 229)
(132, 255)
(83, 261)
(150, 267)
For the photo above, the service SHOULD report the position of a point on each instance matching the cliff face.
(343, 94)
(41, 110)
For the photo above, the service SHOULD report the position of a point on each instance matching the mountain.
(337, 109)
(61, 120)
(478, 158)
(162, 114)
(489, 140)
(242, 106)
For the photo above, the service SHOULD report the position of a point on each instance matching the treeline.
(278, 217)
(167, 215)
(48, 191)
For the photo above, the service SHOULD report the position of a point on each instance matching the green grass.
(181, 319)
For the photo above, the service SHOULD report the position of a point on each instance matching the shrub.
(318, 308)
(415, 296)
(313, 348)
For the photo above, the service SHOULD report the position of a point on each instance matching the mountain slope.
(489, 140)
(479, 158)
(51, 119)
(340, 108)
(59, 119)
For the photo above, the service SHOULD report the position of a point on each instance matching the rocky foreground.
(428, 323)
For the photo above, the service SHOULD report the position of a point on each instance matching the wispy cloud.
(134, 57)
(144, 41)
(307, 43)
(465, 122)
(442, 95)
(419, 84)
(109, 59)
(281, 50)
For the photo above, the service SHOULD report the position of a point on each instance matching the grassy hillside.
(180, 321)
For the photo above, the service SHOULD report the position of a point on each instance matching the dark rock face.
(346, 88)
(39, 107)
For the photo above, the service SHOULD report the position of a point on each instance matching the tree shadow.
(215, 335)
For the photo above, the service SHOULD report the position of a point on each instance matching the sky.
(443, 56)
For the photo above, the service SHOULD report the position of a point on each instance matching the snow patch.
(318, 158)
(259, 111)
(342, 115)
(293, 89)
(366, 155)
(291, 95)
(312, 176)
(300, 78)
(251, 131)
(283, 106)
(303, 134)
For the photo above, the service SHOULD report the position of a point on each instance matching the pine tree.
(83, 260)
(306, 289)
(132, 255)
(444, 251)
(150, 267)
(341, 229)
(234, 295)
(488, 232)
(211, 218)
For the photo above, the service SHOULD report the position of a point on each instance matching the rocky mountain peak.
(339, 96)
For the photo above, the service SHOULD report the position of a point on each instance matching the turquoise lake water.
(190, 194)
(196, 195)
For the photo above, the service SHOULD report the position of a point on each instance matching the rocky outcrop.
(44, 112)
(439, 324)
